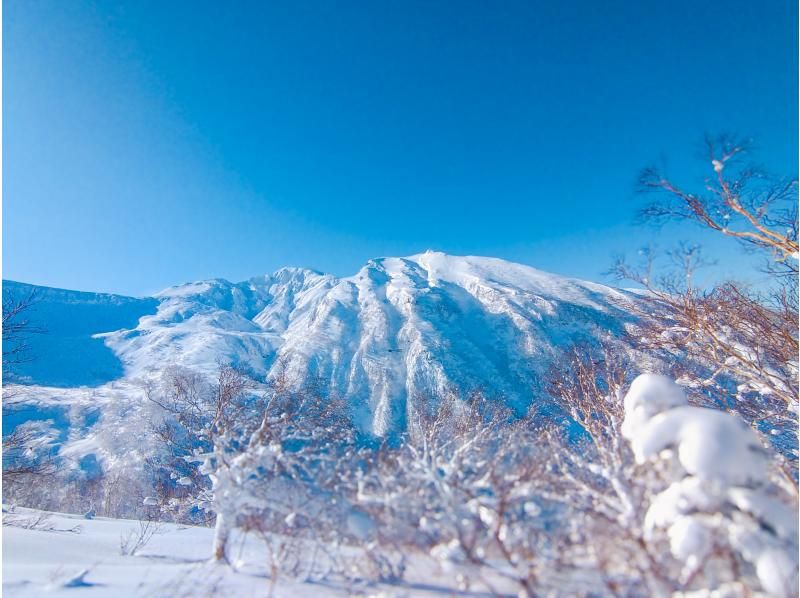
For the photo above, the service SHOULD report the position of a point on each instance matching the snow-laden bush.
(464, 490)
(267, 459)
(722, 517)
(284, 476)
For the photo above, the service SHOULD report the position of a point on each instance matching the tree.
(265, 459)
(203, 423)
(738, 344)
(26, 457)
(17, 328)
(739, 201)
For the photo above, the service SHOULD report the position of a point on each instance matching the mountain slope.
(64, 351)
(396, 334)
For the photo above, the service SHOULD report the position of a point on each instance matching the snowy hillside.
(397, 332)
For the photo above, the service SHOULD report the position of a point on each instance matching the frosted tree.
(195, 417)
(286, 475)
(274, 459)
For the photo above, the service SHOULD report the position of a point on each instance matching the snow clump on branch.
(720, 497)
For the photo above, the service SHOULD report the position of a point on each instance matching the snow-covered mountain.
(400, 330)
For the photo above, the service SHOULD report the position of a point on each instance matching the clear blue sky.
(150, 143)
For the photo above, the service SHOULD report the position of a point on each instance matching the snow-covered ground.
(54, 554)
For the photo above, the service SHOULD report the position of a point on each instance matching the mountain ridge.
(388, 339)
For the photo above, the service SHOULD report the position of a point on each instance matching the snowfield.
(69, 555)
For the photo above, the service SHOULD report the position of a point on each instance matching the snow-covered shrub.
(721, 516)
(738, 349)
(462, 488)
(265, 459)
(287, 474)
(664, 497)
(593, 479)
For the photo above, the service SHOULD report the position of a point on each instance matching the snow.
(71, 554)
(690, 541)
(448, 554)
(66, 555)
(777, 572)
(710, 444)
(649, 394)
(721, 487)
(360, 525)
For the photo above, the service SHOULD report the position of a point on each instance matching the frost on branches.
(723, 518)
(285, 476)
(263, 460)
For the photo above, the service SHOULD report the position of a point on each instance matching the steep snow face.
(403, 330)
(389, 339)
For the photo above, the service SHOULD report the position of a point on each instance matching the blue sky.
(150, 143)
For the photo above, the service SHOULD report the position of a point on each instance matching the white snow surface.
(69, 555)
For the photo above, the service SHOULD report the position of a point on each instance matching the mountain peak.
(400, 331)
